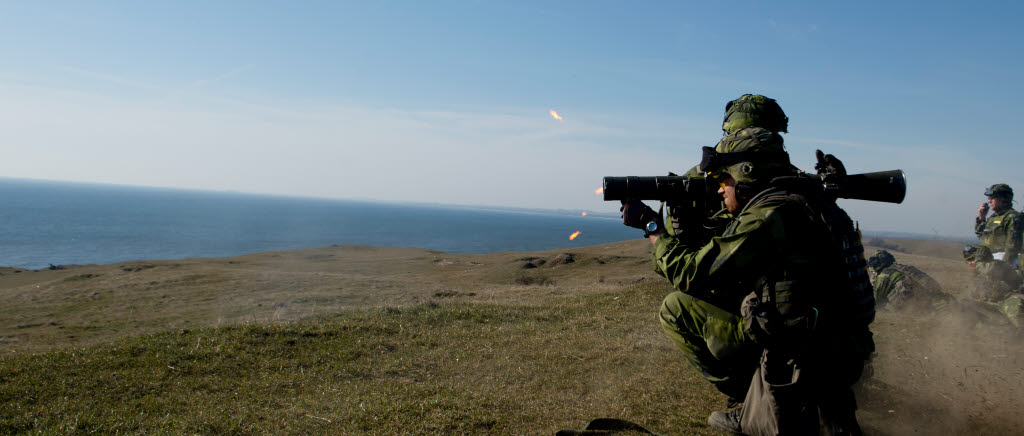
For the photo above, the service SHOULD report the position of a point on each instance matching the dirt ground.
(954, 372)
(944, 372)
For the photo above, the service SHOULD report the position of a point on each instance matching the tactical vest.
(915, 277)
(996, 233)
(839, 292)
(904, 283)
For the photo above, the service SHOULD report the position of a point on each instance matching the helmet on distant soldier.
(753, 110)
(752, 155)
(1000, 190)
(881, 260)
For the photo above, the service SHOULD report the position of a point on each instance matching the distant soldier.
(995, 259)
(902, 287)
(1001, 232)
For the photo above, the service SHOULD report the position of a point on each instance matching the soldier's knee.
(678, 317)
(672, 308)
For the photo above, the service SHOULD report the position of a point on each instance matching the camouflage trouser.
(712, 340)
(994, 281)
(908, 298)
(1013, 308)
(995, 286)
(998, 312)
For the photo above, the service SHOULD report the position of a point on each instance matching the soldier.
(1001, 232)
(775, 311)
(904, 287)
(995, 259)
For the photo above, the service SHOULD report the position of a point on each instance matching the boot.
(728, 421)
(732, 403)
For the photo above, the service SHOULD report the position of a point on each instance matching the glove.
(636, 214)
(829, 165)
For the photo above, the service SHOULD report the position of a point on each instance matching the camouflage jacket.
(773, 237)
(901, 287)
(1001, 233)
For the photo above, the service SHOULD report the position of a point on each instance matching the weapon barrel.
(652, 188)
(885, 186)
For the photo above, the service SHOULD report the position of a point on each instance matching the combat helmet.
(751, 156)
(754, 110)
(1000, 190)
(881, 260)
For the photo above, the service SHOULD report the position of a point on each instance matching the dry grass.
(429, 368)
(82, 305)
(412, 341)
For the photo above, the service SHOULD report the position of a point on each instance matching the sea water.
(57, 223)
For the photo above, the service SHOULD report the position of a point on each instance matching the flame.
(599, 191)
(584, 214)
(574, 235)
(555, 115)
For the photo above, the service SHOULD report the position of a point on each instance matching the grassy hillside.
(355, 339)
(81, 305)
(428, 368)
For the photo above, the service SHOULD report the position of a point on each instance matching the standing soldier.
(1001, 232)
(995, 259)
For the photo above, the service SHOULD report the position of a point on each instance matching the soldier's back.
(911, 289)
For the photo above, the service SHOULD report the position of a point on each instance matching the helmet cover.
(753, 110)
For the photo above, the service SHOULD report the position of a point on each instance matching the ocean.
(56, 223)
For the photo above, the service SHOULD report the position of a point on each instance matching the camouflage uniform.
(998, 272)
(904, 287)
(779, 241)
(1001, 233)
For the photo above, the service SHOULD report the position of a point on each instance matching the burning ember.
(555, 115)
(599, 191)
(584, 214)
(574, 235)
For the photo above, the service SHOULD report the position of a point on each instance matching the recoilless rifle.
(696, 210)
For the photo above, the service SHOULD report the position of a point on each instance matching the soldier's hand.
(637, 214)
(829, 165)
(982, 210)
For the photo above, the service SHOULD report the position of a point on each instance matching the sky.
(449, 101)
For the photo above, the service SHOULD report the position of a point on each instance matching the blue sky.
(447, 101)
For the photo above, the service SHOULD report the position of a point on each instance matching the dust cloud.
(957, 370)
